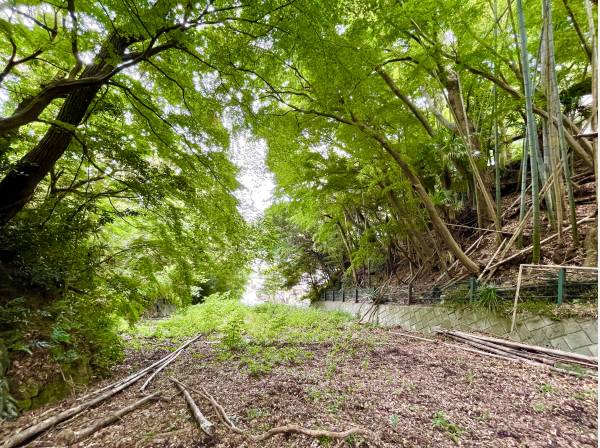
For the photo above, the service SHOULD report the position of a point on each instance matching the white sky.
(257, 184)
(255, 195)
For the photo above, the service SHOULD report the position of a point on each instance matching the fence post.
(472, 288)
(356, 295)
(343, 297)
(561, 286)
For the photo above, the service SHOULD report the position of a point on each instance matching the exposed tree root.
(286, 429)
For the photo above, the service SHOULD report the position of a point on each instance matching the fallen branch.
(287, 429)
(207, 427)
(70, 437)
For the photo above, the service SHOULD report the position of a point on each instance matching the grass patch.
(259, 337)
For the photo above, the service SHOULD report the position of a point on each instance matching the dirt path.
(410, 393)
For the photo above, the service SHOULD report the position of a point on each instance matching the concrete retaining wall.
(579, 336)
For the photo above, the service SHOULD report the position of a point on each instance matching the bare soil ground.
(409, 393)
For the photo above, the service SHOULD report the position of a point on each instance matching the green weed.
(469, 377)
(585, 394)
(545, 388)
(253, 413)
(451, 429)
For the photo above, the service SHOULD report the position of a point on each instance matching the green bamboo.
(562, 141)
(523, 185)
(532, 134)
(496, 146)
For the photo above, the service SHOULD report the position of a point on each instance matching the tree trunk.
(437, 222)
(467, 130)
(18, 186)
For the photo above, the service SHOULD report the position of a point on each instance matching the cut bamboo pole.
(514, 312)
(36, 429)
(143, 371)
(511, 353)
(487, 266)
(160, 369)
(467, 349)
(100, 395)
(74, 437)
(207, 427)
(537, 348)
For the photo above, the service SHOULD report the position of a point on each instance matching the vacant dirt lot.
(407, 392)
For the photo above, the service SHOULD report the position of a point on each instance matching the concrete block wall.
(578, 336)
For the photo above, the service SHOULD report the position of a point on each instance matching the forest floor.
(407, 392)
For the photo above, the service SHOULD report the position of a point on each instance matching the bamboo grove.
(401, 119)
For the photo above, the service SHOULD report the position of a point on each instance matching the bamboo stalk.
(514, 312)
(590, 359)
(532, 134)
(26, 434)
(74, 437)
(160, 368)
(487, 266)
(519, 356)
(143, 371)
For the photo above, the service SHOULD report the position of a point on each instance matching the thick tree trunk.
(18, 186)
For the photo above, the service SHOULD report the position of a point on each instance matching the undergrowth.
(487, 298)
(259, 337)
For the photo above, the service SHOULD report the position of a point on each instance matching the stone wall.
(579, 336)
